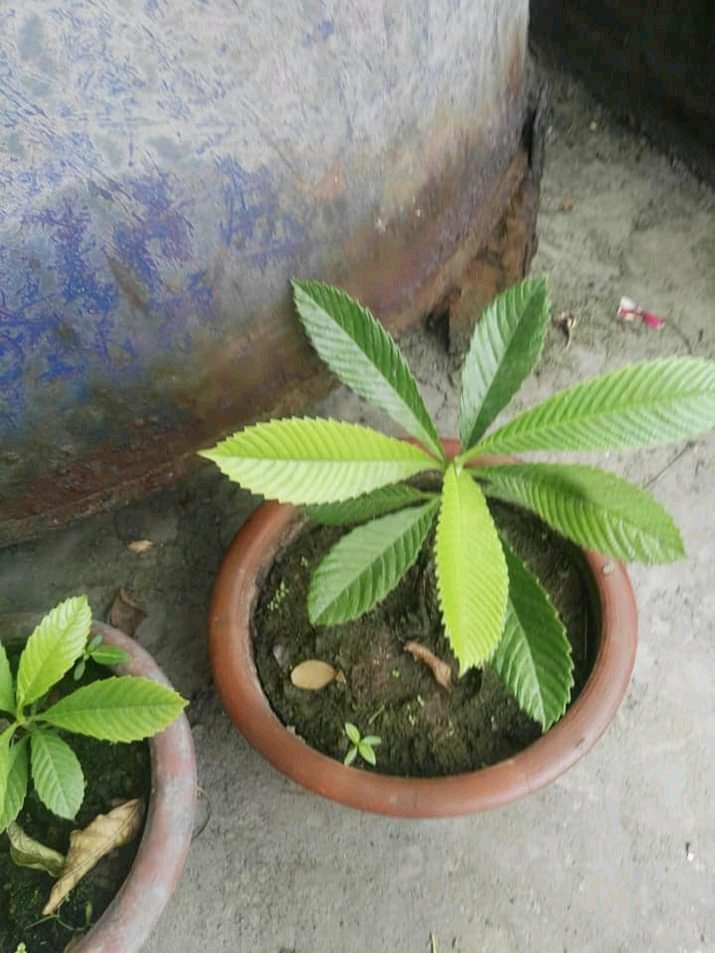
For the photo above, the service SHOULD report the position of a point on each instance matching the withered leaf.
(87, 847)
(25, 851)
(126, 614)
(140, 546)
(313, 675)
(441, 671)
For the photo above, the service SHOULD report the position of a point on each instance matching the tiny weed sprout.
(494, 610)
(364, 747)
(32, 724)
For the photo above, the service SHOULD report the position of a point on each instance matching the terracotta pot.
(239, 582)
(126, 924)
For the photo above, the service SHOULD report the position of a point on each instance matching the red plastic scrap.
(628, 310)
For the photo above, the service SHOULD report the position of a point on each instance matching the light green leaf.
(350, 756)
(56, 774)
(5, 739)
(591, 507)
(126, 708)
(472, 579)
(316, 461)
(52, 649)
(366, 564)
(367, 754)
(533, 657)
(372, 740)
(361, 353)
(352, 732)
(7, 689)
(16, 783)
(25, 851)
(109, 655)
(648, 404)
(388, 499)
(506, 345)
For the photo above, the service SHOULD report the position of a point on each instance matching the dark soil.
(113, 774)
(425, 730)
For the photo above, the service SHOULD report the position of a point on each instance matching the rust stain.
(132, 288)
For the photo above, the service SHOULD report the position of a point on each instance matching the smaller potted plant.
(401, 496)
(52, 691)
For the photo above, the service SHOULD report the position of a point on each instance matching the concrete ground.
(616, 857)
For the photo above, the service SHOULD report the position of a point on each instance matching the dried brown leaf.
(313, 675)
(25, 851)
(441, 670)
(87, 847)
(140, 546)
(126, 614)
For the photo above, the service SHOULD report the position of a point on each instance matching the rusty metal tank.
(166, 166)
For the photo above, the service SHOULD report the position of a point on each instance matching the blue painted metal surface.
(167, 164)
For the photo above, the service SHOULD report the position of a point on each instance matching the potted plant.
(498, 622)
(56, 704)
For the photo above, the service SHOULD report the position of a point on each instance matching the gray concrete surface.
(616, 857)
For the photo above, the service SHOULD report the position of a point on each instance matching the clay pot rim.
(248, 559)
(126, 924)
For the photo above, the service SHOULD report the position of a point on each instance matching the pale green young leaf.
(372, 740)
(591, 507)
(643, 405)
(126, 708)
(5, 739)
(367, 754)
(361, 353)
(366, 564)
(108, 655)
(16, 783)
(53, 648)
(350, 756)
(352, 732)
(505, 347)
(25, 851)
(388, 499)
(316, 461)
(472, 579)
(56, 774)
(7, 689)
(533, 657)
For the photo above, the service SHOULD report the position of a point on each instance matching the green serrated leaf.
(124, 708)
(361, 353)
(366, 564)
(352, 732)
(388, 499)
(52, 649)
(367, 754)
(5, 739)
(643, 405)
(16, 783)
(350, 756)
(472, 579)
(533, 658)
(56, 774)
(109, 655)
(505, 347)
(591, 507)
(316, 461)
(25, 851)
(7, 689)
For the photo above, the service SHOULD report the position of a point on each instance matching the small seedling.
(365, 747)
(101, 653)
(120, 708)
